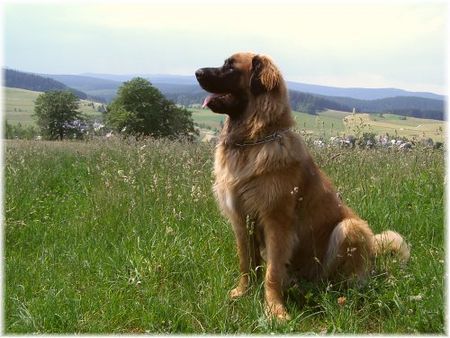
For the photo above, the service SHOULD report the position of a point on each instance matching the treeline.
(402, 105)
(37, 83)
(312, 104)
(186, 98)
(421, 114)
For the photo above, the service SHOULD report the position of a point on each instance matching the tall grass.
(125, 237)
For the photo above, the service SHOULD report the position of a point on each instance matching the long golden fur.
(282, 207)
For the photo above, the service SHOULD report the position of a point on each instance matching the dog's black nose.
(199, 73)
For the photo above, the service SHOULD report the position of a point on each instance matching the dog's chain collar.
(270, 138)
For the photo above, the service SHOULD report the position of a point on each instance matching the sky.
(401, 44)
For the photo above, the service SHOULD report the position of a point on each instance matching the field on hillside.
(118, 236)
(19, 106)
(409, 127)
(336, 123)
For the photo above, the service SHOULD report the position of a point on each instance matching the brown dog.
(282, 207)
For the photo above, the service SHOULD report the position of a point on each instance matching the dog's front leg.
(248, 252)
(279, 238)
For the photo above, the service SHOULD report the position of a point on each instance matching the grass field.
(19, 106)
(125, 237)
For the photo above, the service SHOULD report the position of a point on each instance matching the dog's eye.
(227, 67)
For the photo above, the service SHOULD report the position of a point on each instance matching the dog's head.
(243, 77)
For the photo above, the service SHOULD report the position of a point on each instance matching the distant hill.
(154, 78)
(86, 83)
(183, 90)
(312, 104)
(359, 93)
(113, 77)
(106, 86)
(34, 82)
(312, 99)
(356, 93)
(401, 105)
(99, 89)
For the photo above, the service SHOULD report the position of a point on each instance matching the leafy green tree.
(58, 116)
(141, 110)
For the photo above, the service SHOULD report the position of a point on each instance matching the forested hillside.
(16, 79)
(401, 105)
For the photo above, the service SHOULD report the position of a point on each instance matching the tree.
(58, 116)
(141, 110)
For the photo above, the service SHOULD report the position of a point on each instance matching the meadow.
(124, 236)
(19, 106)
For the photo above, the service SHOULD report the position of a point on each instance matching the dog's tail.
(352, 245)
(391, 242)
(350, 249)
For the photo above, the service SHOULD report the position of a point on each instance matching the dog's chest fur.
(226, 184)
(249, 181)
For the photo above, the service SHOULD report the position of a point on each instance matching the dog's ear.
(265, 76)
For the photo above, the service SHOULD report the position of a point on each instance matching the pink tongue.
(207, 99)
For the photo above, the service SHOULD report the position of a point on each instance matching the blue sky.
(399, 44)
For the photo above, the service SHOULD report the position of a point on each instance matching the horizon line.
(91, 74)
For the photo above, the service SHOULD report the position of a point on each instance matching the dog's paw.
(278, 312)
(237, 292)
